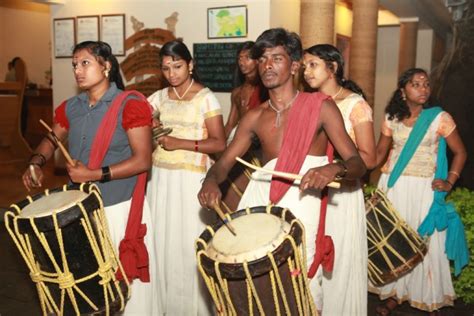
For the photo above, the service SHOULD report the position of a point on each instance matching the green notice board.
(216, 64)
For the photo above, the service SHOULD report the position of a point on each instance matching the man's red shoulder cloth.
(299, 133)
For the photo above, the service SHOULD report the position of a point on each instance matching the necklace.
(278, 112)
(180, 97)
(337, 93)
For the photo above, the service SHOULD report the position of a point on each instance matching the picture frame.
(64, 37)
(112, 31)
(87, 28)
(227, 22)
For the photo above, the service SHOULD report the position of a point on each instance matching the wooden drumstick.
(286, 175)
(58, 142)
(219, 212)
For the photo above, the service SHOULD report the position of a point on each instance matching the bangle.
(455, 173)
(196, 145)
(447, 181)
(41, 157)
(342, 174)
(106, 176)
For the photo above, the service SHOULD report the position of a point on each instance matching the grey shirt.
(83, 124)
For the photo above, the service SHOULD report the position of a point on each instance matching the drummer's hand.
(441, 185)
(319, 177)
(210, 194)
(28, 180)
(168, 142)
(79, 173)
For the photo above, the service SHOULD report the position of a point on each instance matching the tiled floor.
(18, 295)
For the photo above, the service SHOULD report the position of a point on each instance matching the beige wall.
(424, 49)
(286, 14)
(191, 26)
(343, 20)
(25, 32)
(388, 41)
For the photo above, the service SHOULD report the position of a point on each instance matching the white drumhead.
(57, 201)
(256, 235)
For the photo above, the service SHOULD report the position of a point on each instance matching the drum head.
(257, 234)
(55, 202)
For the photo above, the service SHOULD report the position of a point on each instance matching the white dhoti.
(345, 288)
(304, 205)
(143, 300)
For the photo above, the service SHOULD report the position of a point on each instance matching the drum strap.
(132, 250)
(254, 100)
(325, 253)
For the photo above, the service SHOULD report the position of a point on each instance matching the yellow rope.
(209, 283)
(224, 288)
(249, 297)
(276, 302)
(252, 287)
(279, 283)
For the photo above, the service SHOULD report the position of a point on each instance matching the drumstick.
(219, 212)
(292, 176)
(58, 142)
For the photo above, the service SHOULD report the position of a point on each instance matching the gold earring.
(106, 73)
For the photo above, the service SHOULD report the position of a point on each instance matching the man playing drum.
(293, 129)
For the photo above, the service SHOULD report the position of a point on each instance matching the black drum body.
(394, 247)
(62, 235)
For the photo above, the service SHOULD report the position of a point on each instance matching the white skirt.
(143, 300)
(178, 221)
(428, 286)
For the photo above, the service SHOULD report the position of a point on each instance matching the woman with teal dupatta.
(416, 179)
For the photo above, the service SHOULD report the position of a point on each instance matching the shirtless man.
(279, 53)
(241, 97)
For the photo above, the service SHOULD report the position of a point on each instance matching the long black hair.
(178, 50)
(239, 77)
(331, 54)
(397, 107)
(103, 53)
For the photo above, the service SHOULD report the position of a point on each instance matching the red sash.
(132, 250)
(299, 133)
(254, 99)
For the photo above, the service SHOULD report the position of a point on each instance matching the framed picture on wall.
(227, 22)
(64, 37)
(113, 32)
(87, 28)
(343, 44)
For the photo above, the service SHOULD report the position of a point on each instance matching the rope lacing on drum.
(220, 291)
(62, 276)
